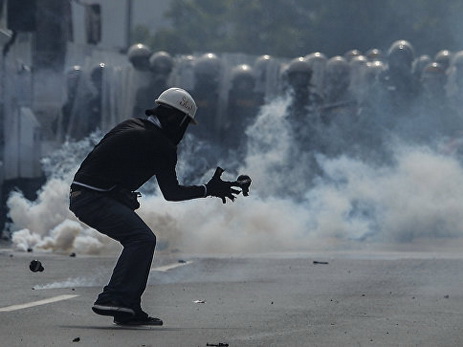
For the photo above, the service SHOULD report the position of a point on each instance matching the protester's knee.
(142, 238)
(148, 238)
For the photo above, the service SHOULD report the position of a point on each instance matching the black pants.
(112, 218)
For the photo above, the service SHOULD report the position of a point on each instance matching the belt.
(76, 190)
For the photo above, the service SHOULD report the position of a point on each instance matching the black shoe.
(113, 308)
(138, 321)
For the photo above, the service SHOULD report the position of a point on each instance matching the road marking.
(36, 303)
(170, 266)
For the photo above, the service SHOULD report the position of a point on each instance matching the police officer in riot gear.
(419, 64)
(317, 62)
(456, 81)
(337, 96)
(73, 79)
(443, 58)
(303, 109)
(339, 111)
(434, 103)
(87, 105)
(160, 67)
(243, 106)
(95, 103)
(102, 196)
(266, 70)
(298, 76)
(207, 72)
(401, 88)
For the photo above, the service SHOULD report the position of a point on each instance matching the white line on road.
(36, 303)
(170, 266)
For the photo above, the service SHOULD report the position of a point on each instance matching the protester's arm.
(173, 191)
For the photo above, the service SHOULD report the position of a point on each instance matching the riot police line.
(363, 93)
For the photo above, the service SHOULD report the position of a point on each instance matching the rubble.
(36, 266)
(320, 262)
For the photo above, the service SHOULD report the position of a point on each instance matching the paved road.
(268, 300)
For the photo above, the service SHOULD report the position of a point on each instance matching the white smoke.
(298, 201)
(47, 224)
(417, 197)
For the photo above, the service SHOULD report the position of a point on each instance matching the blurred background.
(338, 78)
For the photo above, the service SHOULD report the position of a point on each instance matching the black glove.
(221, 189)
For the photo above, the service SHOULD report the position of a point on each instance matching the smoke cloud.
(299, 201)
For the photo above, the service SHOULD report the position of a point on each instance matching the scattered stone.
(77, 339)
(72, 254)
(36, 266)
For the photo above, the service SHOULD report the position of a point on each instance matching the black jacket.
(129, 155)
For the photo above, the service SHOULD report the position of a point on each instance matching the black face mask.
(174, 123)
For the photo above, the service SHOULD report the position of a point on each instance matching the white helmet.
(180, 100)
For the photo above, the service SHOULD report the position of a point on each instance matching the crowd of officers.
(349, 102)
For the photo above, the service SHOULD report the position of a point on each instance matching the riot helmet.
(73, 75)
(419, 64)
(242, 77)
(97, 74)
(400, 56)
(351, 54)
(434, 79)
(161, 63)
(444, 58)
(299, 73)
(374, 54)
(208, 64)
(139, 55)
(337, 75)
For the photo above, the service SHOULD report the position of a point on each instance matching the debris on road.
(199, 301)
(35, 266)
(220, 344)
(320, 262)
(77, 339)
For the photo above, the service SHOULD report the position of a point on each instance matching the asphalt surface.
(356, 299)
